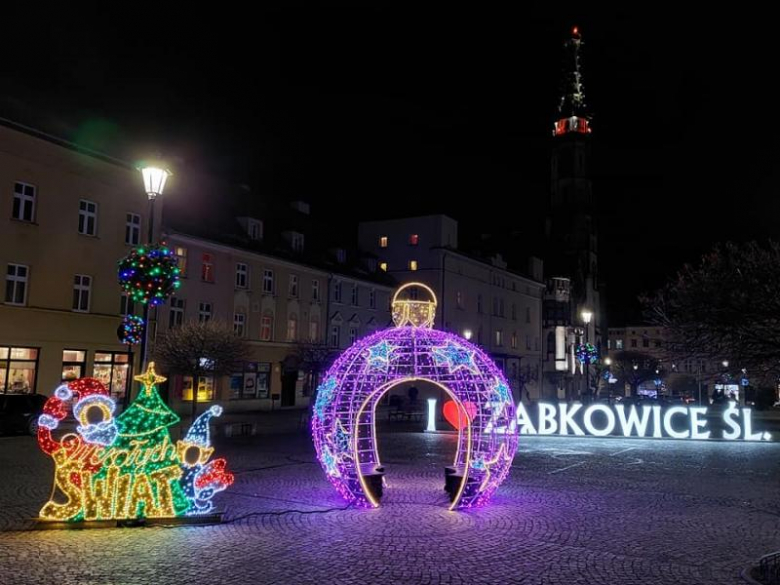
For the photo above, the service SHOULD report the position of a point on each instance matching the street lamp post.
(587, 315)
(154, 184)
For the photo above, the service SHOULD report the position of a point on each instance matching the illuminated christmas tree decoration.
(149, 274)
(344, 412)
(126, 467)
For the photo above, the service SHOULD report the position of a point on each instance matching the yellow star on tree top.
(150, 378)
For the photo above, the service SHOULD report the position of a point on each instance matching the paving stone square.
(582, 510)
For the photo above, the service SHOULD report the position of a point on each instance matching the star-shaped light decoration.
(330, 462)
(325, 394)
(455, 357)
(379, 355)
(149, 378)
(482, 464)
(339, 439)
(502, 391)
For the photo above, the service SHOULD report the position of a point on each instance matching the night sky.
(402, 109)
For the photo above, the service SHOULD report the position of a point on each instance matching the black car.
(19, 412)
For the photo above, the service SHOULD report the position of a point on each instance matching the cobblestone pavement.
(606, 511)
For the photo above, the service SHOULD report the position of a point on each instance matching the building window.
(204, 312)
(126, 305)
(412, 264)
(87, 217)
(528, 341)
(176, 312)
(501, 307)
(657, 343)
(82, 286)
(354, 295)
(528, 314)
(335, 335)
(74, 364)
(645, 342)
(132, 229)
(16, 284)
(479, 303)
(266, 328)
(341, 256)
(459, 299)
(239, 324)
(371, 298)
(255, 229)
(514, 312)
(268, 281)
(383, 242)
(314, 331)
(292, 287)
(112, 368)
(383, 266)
(633, 343)
(514, 340)
(315, 290)
(499, 337)
(181, 260)
(353, 334)
(205, 389)
(495, 306)
(207, 268)
(24, 202)
(414, 239)
(618, 344)
(292, 327)
(253, 382)
(297, 242)
(242, 275)
(337, 291)
(18, 369)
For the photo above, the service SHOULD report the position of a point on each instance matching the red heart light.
(459, 417)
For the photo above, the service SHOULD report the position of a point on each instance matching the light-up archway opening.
(344, 414)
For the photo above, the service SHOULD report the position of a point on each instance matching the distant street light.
(467, 334)
(587, 315)
(725, 363)
(607, 361)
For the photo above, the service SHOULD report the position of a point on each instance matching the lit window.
(181, 259)
(499, 337)
(383, 266)
(412, 264)
(383, 242)
(239, 324)
(242, 275)
(16, 284)
(87, 217)
(132, 229)
(618, 344)
(514, 340)
(207, 268)
(204, 312)
(24, 202)
(314, 331)
(297, 242)
(74, 364)
(414, 239)
(205, 389)
(266, 327)
(82, 286)
(292, 327)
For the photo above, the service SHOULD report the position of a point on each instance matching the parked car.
(19, 412)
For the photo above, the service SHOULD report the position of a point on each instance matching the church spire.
(572, 112)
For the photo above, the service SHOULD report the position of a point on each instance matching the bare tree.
(314, 359)
(727, 307)
(633, 368)
(201, 349)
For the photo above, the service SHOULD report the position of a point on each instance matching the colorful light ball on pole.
(587, 353)
(149, 274)
(131, 330)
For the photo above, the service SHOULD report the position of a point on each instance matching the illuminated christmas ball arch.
(344, 413)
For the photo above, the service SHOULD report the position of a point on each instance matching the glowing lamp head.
(607, 361)
(468, 334)
(408, 309)
(154, 180)
(575, 31)
(587, 316)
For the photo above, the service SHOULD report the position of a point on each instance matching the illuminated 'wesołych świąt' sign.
(601, 420)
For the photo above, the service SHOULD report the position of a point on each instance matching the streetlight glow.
(154, 180)
(587, 315)
(467, 334)
(607, 361)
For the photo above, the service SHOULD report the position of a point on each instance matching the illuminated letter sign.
(126, 467)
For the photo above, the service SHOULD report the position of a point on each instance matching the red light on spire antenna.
(575, 30)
